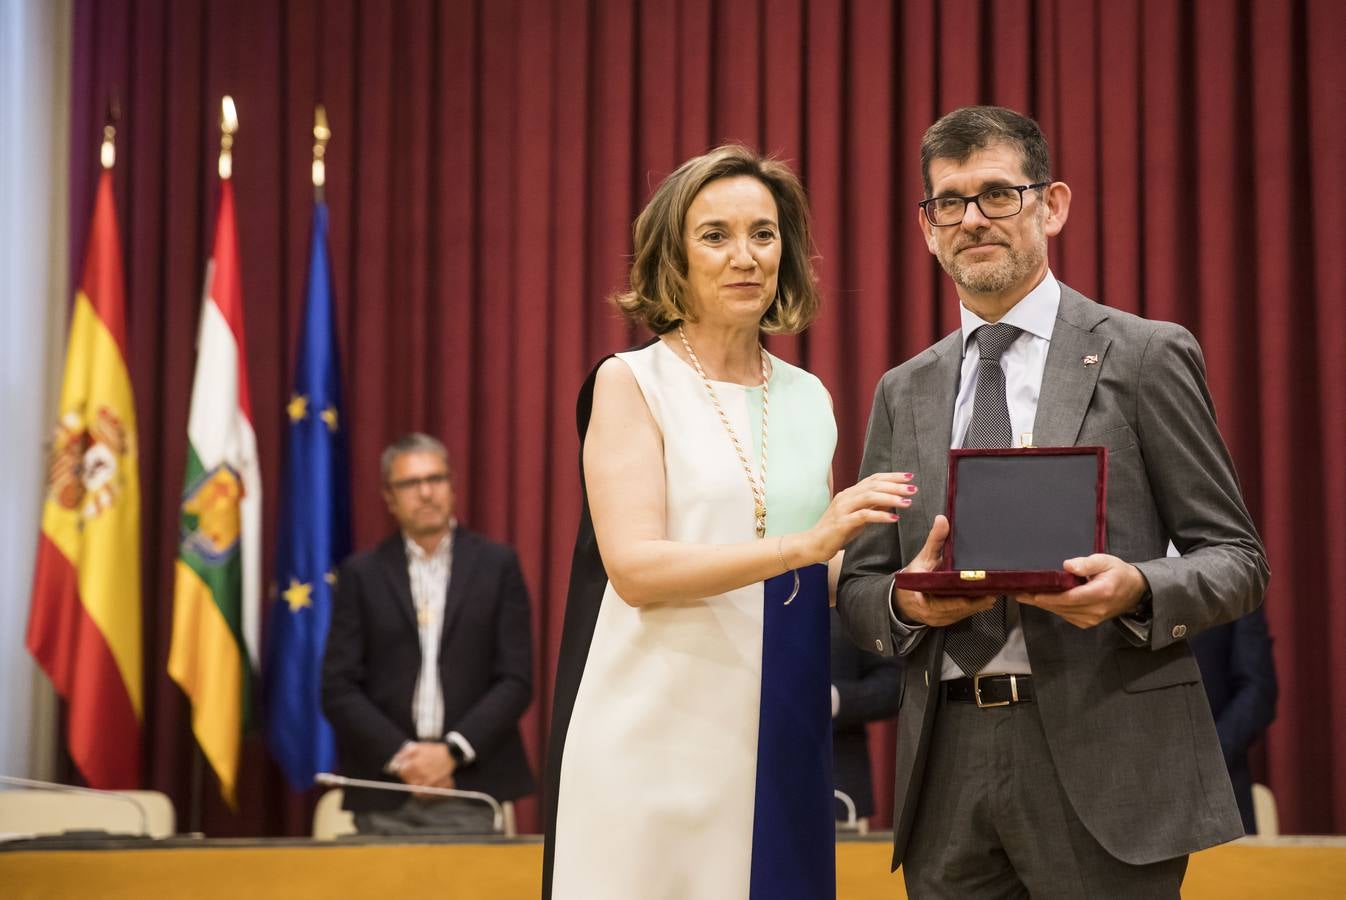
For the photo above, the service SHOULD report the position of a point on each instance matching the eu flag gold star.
(329, 415)
(298, 595)
(330, 578)
(297, 408)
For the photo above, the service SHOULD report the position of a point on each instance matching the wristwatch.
(456, 752)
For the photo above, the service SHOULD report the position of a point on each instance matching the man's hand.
(426, 763)
(913, 606)
(1114, 587)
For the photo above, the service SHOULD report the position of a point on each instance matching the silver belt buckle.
(976, 691)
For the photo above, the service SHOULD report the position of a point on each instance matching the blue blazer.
(867, 685)
(1240, 677)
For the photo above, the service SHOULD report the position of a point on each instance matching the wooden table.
(290, 869)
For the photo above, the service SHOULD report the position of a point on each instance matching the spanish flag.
(84, 629)
(217, 586)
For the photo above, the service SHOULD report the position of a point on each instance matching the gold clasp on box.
(973, 574)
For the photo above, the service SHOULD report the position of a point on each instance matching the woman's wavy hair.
(658, 282)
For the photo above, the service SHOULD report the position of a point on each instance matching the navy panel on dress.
(793, 834)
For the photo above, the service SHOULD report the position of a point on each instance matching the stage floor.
(511, 870)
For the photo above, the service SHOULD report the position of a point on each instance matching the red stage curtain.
(489, 157)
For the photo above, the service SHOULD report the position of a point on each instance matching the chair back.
(1264, 812)
(116, 812)
(330, 821)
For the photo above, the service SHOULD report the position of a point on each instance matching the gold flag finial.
(228, 127)
(107, 153)
(321, 135)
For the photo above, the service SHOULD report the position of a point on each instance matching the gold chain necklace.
(756, 482)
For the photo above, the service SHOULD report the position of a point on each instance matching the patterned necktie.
(975, 641)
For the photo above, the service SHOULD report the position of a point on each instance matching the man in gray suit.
(1053, 744)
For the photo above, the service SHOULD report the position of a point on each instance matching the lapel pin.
(1091, 359)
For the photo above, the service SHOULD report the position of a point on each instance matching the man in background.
(864, 689)
(1240, 678)
(429, 659)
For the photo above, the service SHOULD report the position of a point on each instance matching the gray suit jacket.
(1129, 728)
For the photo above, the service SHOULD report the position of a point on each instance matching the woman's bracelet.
(780, 552)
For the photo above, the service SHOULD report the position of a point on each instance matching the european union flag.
(314, 535)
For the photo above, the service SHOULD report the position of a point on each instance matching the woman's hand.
(877, 499)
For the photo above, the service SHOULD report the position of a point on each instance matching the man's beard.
(993, 277)
(434, 522)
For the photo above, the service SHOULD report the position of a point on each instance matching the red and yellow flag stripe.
(85, 625)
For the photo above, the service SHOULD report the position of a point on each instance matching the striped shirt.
(429, 573)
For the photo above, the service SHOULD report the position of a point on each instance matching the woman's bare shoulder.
(614, 371)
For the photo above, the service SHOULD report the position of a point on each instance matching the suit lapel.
(460, 575)
(1074, 360)
(392, 556)
(933, 389)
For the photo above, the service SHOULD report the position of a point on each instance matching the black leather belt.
(989, 690)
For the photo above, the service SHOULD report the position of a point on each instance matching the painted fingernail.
(895, 517)
(911, 489)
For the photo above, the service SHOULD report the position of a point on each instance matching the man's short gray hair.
(416, 442)
(969, 129)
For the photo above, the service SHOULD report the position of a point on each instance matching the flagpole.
(321, 135)
(196, 814)
(228, 128)
(67, 768)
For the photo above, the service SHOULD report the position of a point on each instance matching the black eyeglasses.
(994, 203)
(439, 479)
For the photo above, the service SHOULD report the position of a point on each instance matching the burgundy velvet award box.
(1014, 517)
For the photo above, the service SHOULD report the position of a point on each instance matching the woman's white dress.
(697, 760)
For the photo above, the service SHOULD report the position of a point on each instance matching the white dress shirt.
(429, 574)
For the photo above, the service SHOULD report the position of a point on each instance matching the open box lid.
(1015, 515)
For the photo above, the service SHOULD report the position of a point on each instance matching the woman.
(691, 753)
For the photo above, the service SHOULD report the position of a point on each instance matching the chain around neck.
(757, 482)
